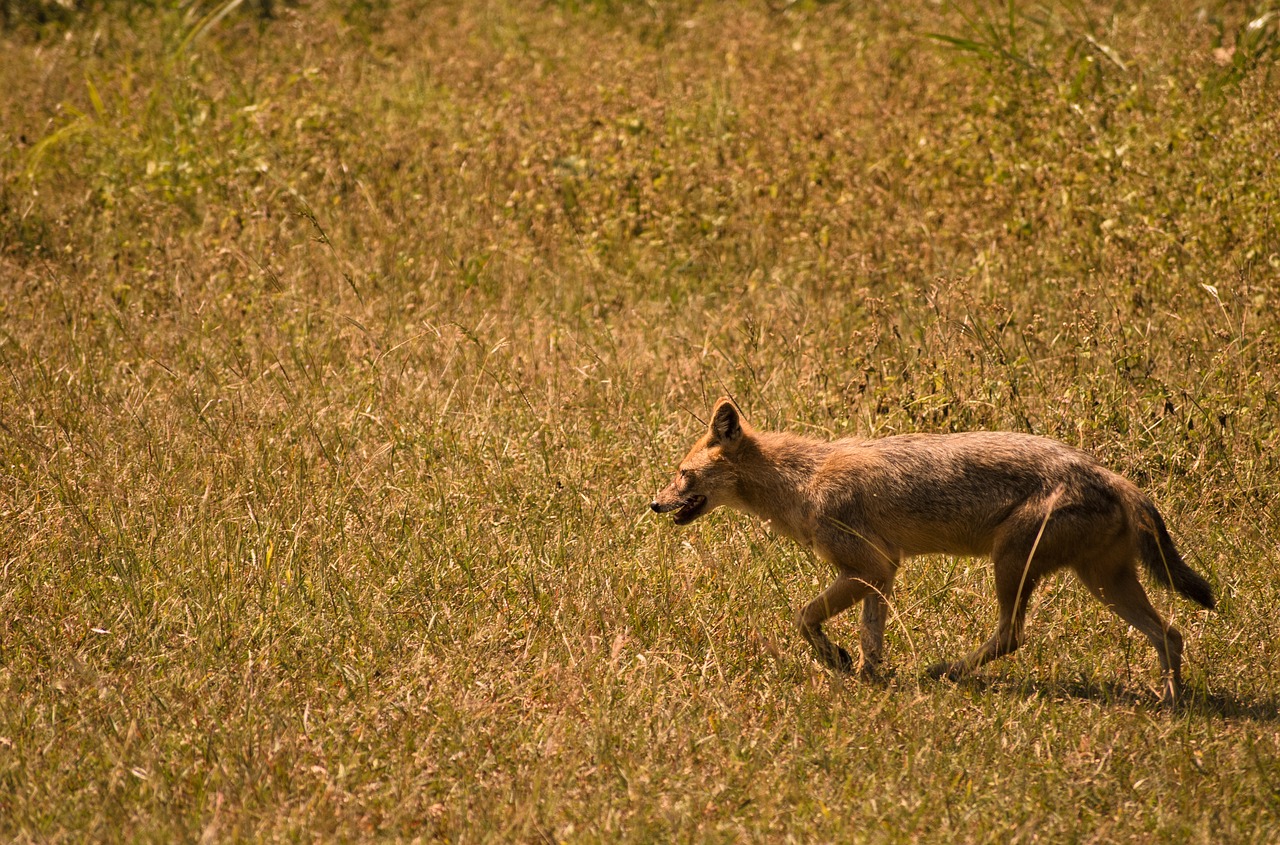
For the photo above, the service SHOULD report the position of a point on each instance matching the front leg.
(875, 609)
(841, 595)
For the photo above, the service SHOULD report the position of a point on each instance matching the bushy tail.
(1162, 560)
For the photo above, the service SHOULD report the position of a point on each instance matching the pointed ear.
(726, 423)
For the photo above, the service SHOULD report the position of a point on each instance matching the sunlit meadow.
(343, 344)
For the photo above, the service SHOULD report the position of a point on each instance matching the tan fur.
(1032, 504)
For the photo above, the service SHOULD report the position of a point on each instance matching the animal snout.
(655, 506)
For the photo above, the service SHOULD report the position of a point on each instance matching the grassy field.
(342, 349)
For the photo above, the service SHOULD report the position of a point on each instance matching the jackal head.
(706, 478)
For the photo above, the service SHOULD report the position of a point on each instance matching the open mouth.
(690, 509)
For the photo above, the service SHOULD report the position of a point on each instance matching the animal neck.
(774, 474)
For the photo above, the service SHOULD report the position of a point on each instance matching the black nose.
(655, 507)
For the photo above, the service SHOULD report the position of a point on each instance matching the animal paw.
(836, 658)
(1173, 696)
(948, 670)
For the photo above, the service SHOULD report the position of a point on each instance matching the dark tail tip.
(1192, 585)
(1167, 566)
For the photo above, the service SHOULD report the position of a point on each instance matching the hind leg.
(1012, 594)
(1027, 547)
(1120, 590)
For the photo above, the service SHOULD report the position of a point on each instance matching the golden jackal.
(1034, 505)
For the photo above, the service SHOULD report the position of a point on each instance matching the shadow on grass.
(1232, 707)
(1224, 705)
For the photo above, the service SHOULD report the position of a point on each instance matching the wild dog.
(1032, 504)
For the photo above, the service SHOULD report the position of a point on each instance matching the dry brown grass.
(342, 350)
